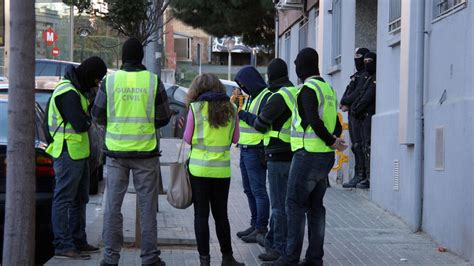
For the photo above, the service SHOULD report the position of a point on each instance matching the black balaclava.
(92, 69)
(132, 52)
(307, 63)
(371, 67)
(277, 71)
(359, 58)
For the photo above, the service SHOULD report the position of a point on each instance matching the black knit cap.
(91, 69)
(277, 69)
(306, 63)
(132, 51)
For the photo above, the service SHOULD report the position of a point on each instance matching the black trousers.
(211, 194)
(361, 138)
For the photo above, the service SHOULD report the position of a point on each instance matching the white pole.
(71, 48)
(230, 63)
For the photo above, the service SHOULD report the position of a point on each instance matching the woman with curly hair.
(210, 130)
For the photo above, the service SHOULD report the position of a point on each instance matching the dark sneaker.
(88, 249)
(229, 260)
(364, 184)
(261, 240)
(252, 237)
(72, 255)
(103, 263)
(159, 262)
(269, 255)
(245, 232)
(353, 182)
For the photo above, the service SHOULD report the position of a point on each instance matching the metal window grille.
(443, 7)
(303, 35)
(287, 48)
(336, 31)
(395, 13)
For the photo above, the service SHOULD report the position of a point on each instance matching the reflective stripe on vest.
(248, 134)
(289, 96)
(210, 151)
(131, 111)
(327, 110)
(77, 143)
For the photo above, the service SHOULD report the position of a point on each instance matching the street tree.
(19, 234)
(139, 18)
(254, 20)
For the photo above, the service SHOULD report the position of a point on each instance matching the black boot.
(205, 260)
(245, 232)
(229, 260)
(358, 177)
(252, 237)
(365, 184)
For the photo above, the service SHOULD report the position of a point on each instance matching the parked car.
(229, 86)
(44, 89)
(49, 67)
(177, 99)
(44, 185)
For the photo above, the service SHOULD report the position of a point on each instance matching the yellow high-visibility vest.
(210, 150)
(131, 111)
(289, 96)
(77, 143)
(327, 109)
(248, 134)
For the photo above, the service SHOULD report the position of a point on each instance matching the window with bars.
(303, 35)
(442, 7)
(288, 47)
(395, 14)
(336, 31)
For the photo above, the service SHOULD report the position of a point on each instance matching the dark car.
(44, 88)
(177, 99)
(44, 185)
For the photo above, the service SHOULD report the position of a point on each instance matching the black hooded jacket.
(364, 105)
(354, 88)
(69, 104)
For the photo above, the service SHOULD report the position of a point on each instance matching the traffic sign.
(49, 36)
(55, 51)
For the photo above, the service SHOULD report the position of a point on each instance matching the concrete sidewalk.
(357, 231)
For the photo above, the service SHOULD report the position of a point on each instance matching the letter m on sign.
(49, 36)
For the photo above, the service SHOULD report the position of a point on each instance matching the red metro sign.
(49, 36)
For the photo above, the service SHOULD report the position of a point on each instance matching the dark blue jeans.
(71, 195)
(254, 181)
(306, 189)
(278, 180)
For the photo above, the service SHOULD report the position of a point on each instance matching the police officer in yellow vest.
(252, 155)
(132, 104)
(315, 132)
(274, 121)
(68, 123)
(211, 129)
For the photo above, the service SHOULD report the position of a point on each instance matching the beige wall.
(197, 35)
(288, 18)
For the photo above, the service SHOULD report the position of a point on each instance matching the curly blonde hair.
(220, 112)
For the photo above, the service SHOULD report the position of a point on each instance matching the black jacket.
(69, 104)
(354, 88)
(364, 105)
(272, 116)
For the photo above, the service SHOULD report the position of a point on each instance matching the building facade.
(425, 102)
